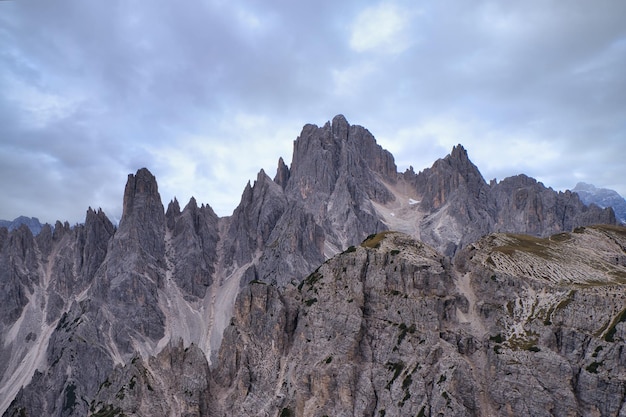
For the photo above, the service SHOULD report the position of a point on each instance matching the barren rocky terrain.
(340, 287)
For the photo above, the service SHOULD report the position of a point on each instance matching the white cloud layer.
(382, 27)
(205, 94)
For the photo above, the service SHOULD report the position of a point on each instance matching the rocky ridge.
(392, 327)
(85, 306)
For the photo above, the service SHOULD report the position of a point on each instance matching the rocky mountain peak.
(192, 204)
(322, 157)
(96, 215)
(173, 210)
(340, 127)
(460, 162)
(602, 197)
(143, 218)
(142, 227)
(262, 176)
(583, 186)
(282, 173)
(459, 153)
(446, 176)
(32, 222)
(141, 195)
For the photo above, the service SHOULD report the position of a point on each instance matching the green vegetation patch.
(610, 334)
(561, 237)
(593, 367)
(404, 329)
(105, 384)
(446, 396)
(408, 380)
(527, 244)
(109, 411)
(311, 279)
(310, 302)
(620, 230)
(70, 398)
(62, 323)
(596, 351)
(132, 382)
(407, 396)
(397, 368)
(350, 249)
(528, 343)
(373, 241)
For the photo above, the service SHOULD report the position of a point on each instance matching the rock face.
(395, 330)
(526, 206)
(187, 313)
(337, 172)
(602, 197)
(393, 327)
(456, 206)
(49, 276)
(192, 237)
(175, 382)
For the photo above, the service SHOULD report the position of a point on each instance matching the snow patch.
(401, 214)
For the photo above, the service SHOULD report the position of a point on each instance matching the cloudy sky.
(206, 93)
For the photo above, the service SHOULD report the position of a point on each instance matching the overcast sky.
(206, 93)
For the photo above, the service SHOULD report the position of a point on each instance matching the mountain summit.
(602, 197)
(31, 222)
(340, 287)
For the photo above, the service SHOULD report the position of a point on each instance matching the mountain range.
(339, 287)
(602, 197)
(31, 222)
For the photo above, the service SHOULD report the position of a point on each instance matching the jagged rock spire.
(141, 193)
(282, 173)
(340, 127)
(323, 155)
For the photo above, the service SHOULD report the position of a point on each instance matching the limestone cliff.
(394, 328)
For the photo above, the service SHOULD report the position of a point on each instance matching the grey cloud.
(139, 79)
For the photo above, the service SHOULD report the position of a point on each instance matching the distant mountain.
(602, 197)
(32, 222)
(487, 299)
